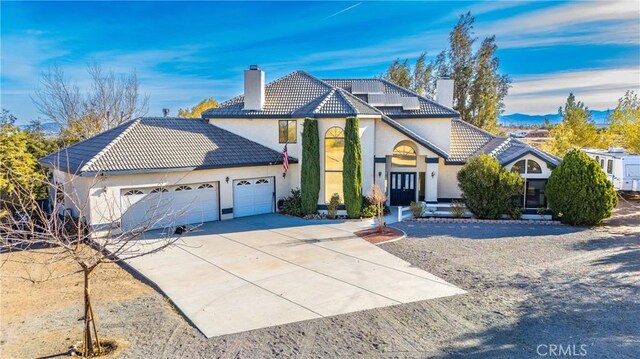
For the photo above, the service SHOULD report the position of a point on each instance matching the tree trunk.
(89, 324)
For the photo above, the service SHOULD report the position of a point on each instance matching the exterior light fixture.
(433, 174)
(227, 179)
(379, 174)
(284, 174)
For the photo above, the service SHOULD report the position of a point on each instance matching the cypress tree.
(352, 168)
(310, 176)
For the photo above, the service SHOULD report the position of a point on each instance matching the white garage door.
(169, 206)
(253, 196)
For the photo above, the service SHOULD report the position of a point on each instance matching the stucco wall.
(447, 181)
(387, 137)
(435, 130)
(105, 194)
(76, 191)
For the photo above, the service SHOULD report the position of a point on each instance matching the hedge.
(352, 168)
(310, 171)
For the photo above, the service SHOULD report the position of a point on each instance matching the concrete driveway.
(261, 271)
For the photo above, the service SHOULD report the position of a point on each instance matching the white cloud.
(584, 22)
(597, 88)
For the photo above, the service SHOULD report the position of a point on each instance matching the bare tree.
(62, 236)
(110, 100)
(378, 197)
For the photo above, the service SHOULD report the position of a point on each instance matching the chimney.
(444, 92)
(253, 88)
(165, 112)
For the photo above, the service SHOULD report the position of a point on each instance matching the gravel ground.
(527, 286)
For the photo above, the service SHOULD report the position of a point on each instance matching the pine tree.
(399, 72)
(460, 58)
(576, 130)
(310, 172)
(352, 168)
(488, 88)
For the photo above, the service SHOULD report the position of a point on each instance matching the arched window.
(262, 181)
(205, 185)
(404, 155)
(533, 167)
(526, 167)
(333, 154)
(243, 183)
(519, 166)
(183, 188)
(133, 192)
(159, 190)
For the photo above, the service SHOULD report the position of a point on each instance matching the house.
(228, 164)
(622, 168)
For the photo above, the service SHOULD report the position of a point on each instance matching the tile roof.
(428, 108)
(300, 94)
(468, 141)
(162, 144)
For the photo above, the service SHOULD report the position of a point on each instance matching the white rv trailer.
(622, 168)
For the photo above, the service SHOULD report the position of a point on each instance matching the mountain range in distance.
(514, 119)
(521, 119)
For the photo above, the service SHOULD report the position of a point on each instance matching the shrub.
(369, 209)
(488, 188)
(310, 171)
(332, 207)
(352, 168)
(292, 205)
(579, 191)
(515, 212)
(375, 202)
(457, 209)
(416, 209)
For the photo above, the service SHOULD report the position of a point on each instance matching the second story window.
(287, 131)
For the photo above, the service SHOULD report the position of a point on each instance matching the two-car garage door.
(169, 206)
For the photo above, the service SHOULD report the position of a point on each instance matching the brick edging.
(486, 221)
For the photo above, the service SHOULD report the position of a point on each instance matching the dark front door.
(403, 188)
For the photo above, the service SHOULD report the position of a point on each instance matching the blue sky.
(184, 52)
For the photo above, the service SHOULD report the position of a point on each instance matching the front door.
(403, 188)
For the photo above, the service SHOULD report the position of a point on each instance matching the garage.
(169, 206)
(253, 196)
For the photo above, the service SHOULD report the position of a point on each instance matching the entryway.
(403, 188)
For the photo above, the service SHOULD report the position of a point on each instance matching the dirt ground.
(528, 288)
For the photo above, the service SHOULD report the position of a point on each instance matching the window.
(632, 170)
(533, 167)
(133, 192)
(519, 166)
(602, 163)
(159, 190)
(404, 155)
(610, 167)
(205, 185)
(333, 154)
(243, 183)
(262, 181)
(287, 131)
(183, 188)
(526, 167)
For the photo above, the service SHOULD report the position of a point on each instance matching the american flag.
(285, 159)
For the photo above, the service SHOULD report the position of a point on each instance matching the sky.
(184, 52)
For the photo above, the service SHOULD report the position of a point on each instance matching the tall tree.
(197, 110)
(17, 165)
(310, 172)
(488, 88)
(422, 73)
(399, 72)
(576, 129)
(352, 168)
(110, 100)
(624, 123)
(461, 63)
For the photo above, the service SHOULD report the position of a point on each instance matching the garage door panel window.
(205, 186)
(159, 190)
(262, 181)
(243, 183)
(133, 192)
(183, 188)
